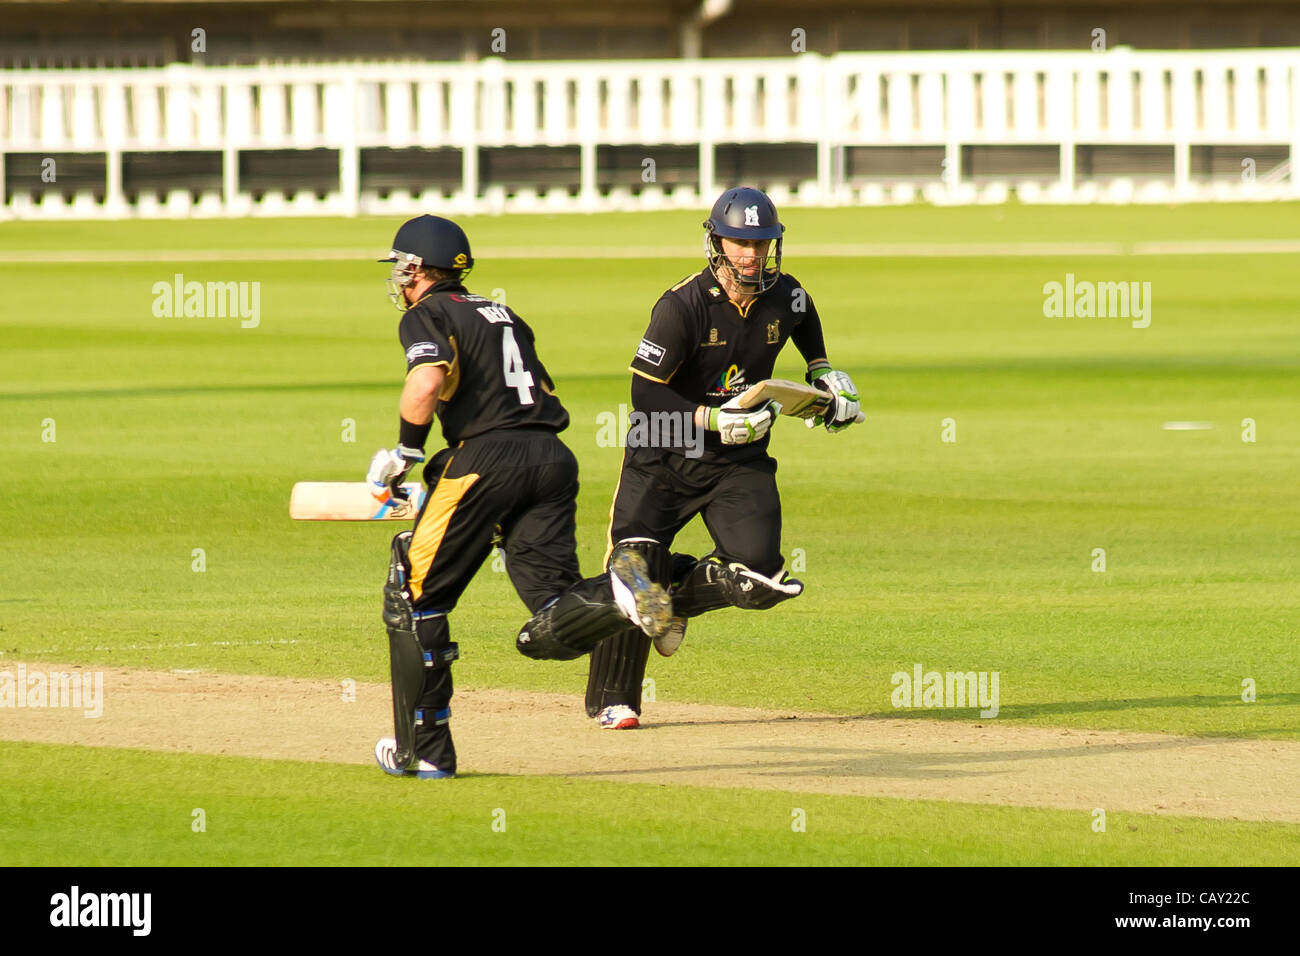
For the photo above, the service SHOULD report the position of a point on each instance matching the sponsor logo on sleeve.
(421, 350)
(647, 350)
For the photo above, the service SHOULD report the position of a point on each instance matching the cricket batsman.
(710, 337)
(504, 474)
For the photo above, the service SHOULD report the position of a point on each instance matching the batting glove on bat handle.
(741, 426)
(388, 468)
(845, 409)
(814, 422)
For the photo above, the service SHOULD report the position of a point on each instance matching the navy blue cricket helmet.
(426, 242)
(744, 213)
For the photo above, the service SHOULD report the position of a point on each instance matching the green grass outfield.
(176, 434)
(133, 808)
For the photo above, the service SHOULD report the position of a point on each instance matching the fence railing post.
(349, 151)
(1295, 127)
(832, 106)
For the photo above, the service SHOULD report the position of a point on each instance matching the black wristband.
(412, 435)
(818, 366)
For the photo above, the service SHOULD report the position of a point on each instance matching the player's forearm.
(418, 403)
(648, 396)
(418, 408)
(420, 393)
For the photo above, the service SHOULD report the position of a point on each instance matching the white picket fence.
(1183, 99)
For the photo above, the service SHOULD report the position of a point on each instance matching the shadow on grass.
(1019, 712)
(803, 761)
(156, 391)
(807, 760)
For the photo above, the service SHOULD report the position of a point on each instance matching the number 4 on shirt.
(517, 376)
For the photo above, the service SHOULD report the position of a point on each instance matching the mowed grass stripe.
(137, 809)
(1230, 247)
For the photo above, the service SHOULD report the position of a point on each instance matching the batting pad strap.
(713, 584)
(432, 632)
(756, 592)
(441, 656)
(698, 588)
(790, 587)
(571, 625)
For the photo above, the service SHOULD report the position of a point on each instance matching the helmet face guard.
(725, 270)
(744, 214)
(405, 269)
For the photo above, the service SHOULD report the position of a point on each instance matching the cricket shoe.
(618, 717)
(668, 642)
(386, 757)
(642, 601)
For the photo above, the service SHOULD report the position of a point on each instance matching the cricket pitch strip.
(523, 732)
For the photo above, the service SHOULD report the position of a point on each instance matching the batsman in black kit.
(504, 475)
(711, 336)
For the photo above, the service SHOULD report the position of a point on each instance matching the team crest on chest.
(774, 332)
(713, 339)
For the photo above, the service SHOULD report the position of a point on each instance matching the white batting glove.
(388, 468)
(740, 426)
(844, 410)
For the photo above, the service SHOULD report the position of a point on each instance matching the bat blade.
(350, 501)
(796, 399)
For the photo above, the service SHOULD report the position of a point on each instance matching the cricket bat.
(351, 501)
(795, 398)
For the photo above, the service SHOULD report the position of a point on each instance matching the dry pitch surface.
(519, 732)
